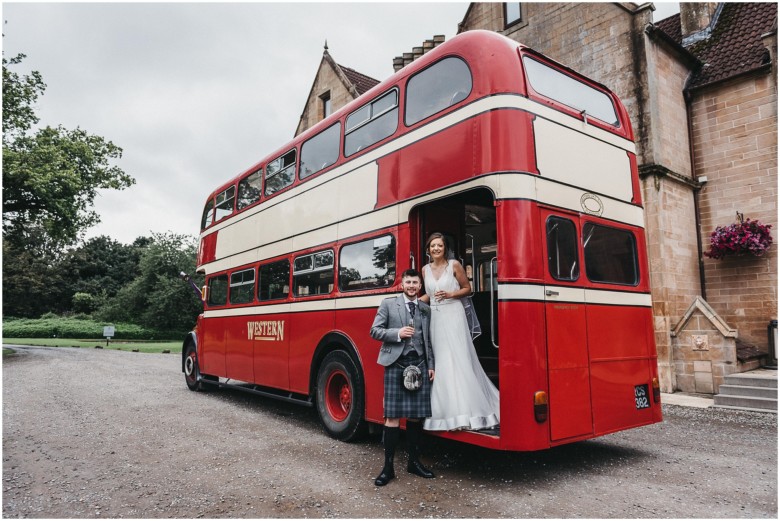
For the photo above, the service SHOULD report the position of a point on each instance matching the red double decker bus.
(530, 171)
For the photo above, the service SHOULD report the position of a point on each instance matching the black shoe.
(384, 478)
(415, 467)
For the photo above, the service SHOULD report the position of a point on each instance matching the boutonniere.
(425, 311)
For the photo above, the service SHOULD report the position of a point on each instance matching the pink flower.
(739, 239)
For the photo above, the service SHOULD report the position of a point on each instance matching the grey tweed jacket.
(390, 318)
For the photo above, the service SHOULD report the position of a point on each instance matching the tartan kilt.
(402, 403)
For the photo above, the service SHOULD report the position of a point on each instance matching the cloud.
(196, 93)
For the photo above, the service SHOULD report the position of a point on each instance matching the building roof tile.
(361, 82)
(734, 46)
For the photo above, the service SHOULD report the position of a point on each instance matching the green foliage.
(60, 327)
(19, 95)
(32, 282)
(157, 298)
(50, 177)
(84, 303)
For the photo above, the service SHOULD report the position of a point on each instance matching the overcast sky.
(196, 93)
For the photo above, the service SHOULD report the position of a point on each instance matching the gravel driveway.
(91, 433)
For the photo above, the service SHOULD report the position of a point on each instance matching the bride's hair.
(436, 235)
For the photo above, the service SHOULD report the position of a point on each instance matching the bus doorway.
(468, 221)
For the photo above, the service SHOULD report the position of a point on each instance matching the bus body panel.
(614, 404)
(439, 158)
(523, 350)
(306, 331)
(239, 349)
(567, 356)
(270, 336)
(211, 347)
(604, 172)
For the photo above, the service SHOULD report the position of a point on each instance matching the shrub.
(79, 328)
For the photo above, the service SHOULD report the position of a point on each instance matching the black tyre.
(341, 397)
(192, 370)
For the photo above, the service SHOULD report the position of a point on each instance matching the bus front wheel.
(340, 396)
(191, 370)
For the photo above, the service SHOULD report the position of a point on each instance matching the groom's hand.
(431, 373)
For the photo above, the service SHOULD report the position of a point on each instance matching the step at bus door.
(567, 345)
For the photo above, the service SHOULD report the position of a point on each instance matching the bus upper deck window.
(431, 90)
(569, 91)
(321, 151)
(371, 123)
(208, 215)
(225, 203)
(249, 189)
(280, 173)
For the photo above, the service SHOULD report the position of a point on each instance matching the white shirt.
(406, 301)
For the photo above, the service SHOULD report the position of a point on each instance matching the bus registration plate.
(641, 396)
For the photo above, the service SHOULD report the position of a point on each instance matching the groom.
(404, 345)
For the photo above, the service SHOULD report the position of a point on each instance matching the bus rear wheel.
(340, 397)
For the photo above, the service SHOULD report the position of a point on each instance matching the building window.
(327, 109)
(513, 13)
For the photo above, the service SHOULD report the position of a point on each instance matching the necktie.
(412, 308)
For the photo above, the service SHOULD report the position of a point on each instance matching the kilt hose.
(401, 402)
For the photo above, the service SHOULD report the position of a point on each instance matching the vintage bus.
(528, 168)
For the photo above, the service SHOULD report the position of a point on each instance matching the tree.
(157, 298)
(32, 282)
(51, 176)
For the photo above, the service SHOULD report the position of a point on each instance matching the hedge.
(80, 329)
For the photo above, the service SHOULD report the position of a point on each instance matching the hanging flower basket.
(741, 238)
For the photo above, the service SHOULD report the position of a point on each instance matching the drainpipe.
(688, 113)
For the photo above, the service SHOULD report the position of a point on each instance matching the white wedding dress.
(462, 396)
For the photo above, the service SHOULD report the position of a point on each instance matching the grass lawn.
(122, 345)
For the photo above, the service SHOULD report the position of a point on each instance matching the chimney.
(399, 62)
(697, 20)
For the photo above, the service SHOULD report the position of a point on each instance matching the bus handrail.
(492, 313)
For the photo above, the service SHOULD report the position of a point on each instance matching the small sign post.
(108, 332)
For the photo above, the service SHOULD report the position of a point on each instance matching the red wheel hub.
(338, 396)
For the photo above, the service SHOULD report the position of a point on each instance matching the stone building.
(701, 90)
(334, 86)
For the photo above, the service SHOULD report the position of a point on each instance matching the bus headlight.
(540, 406)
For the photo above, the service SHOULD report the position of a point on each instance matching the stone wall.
(735, 146)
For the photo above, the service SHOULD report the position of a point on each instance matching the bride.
(462, 396)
